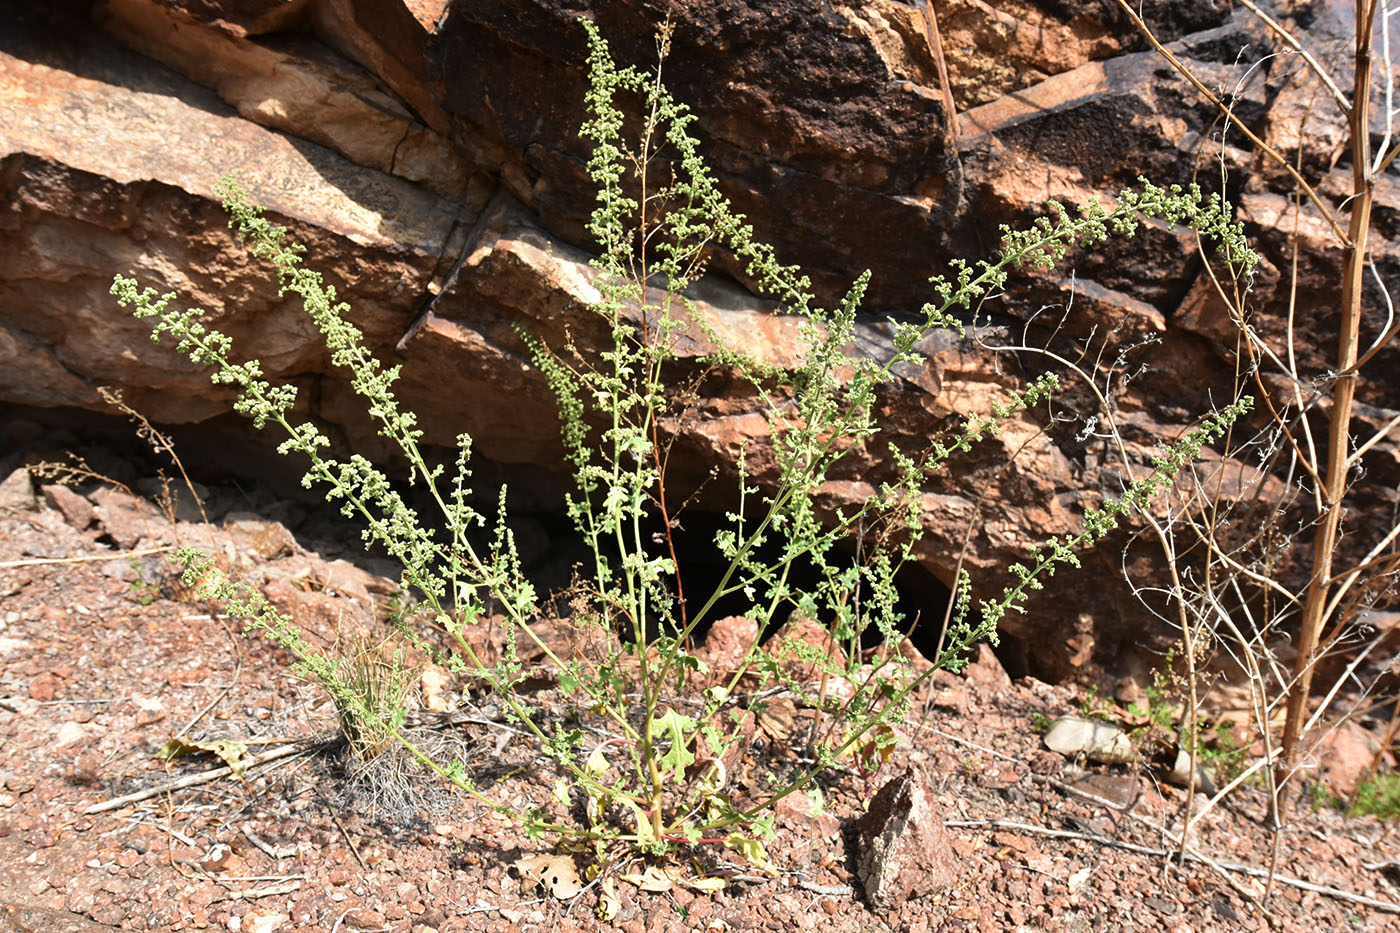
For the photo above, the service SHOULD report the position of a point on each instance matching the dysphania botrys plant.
(656, 779)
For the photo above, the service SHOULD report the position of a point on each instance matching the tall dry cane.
(1339, 456)
(1324, 587)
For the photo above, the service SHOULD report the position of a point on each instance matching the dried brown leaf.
(654, 878)
(777, 718)
(555, 872)
(234, 754)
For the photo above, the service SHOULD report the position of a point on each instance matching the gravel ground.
(101, 665)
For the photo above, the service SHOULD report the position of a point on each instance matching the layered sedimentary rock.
(428, 154)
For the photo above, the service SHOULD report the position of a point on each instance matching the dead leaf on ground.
(608, 904)
(776, 718)
(708, 884)
(654, 878)
(752, 850)
(234, 754)
(556, 872)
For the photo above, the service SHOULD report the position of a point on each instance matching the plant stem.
(1334, 484)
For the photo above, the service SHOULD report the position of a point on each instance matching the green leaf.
(597, 762)
(673, 726)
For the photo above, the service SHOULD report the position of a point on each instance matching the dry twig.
(1189, 855)
(189, 780)
(88, 558)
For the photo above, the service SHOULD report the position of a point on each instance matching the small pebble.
(361, 919)
(68, 733)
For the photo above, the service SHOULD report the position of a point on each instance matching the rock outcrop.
(428, 154)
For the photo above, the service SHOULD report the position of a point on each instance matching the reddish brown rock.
(328, 617)
(985, 670)
(296, 85)
(124, 518)
(802, 635)
(77, 511)
(726, 643)
(361, 918)
(17, 491)
(267, 540)
(902, 849)
(45, 687)
(806, 817)
(1346, 754)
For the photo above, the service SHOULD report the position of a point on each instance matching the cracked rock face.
(427, 152)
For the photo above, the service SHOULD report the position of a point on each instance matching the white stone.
(70, 732)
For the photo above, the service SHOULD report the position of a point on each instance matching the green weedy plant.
(1378, 795)
(658, 780)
